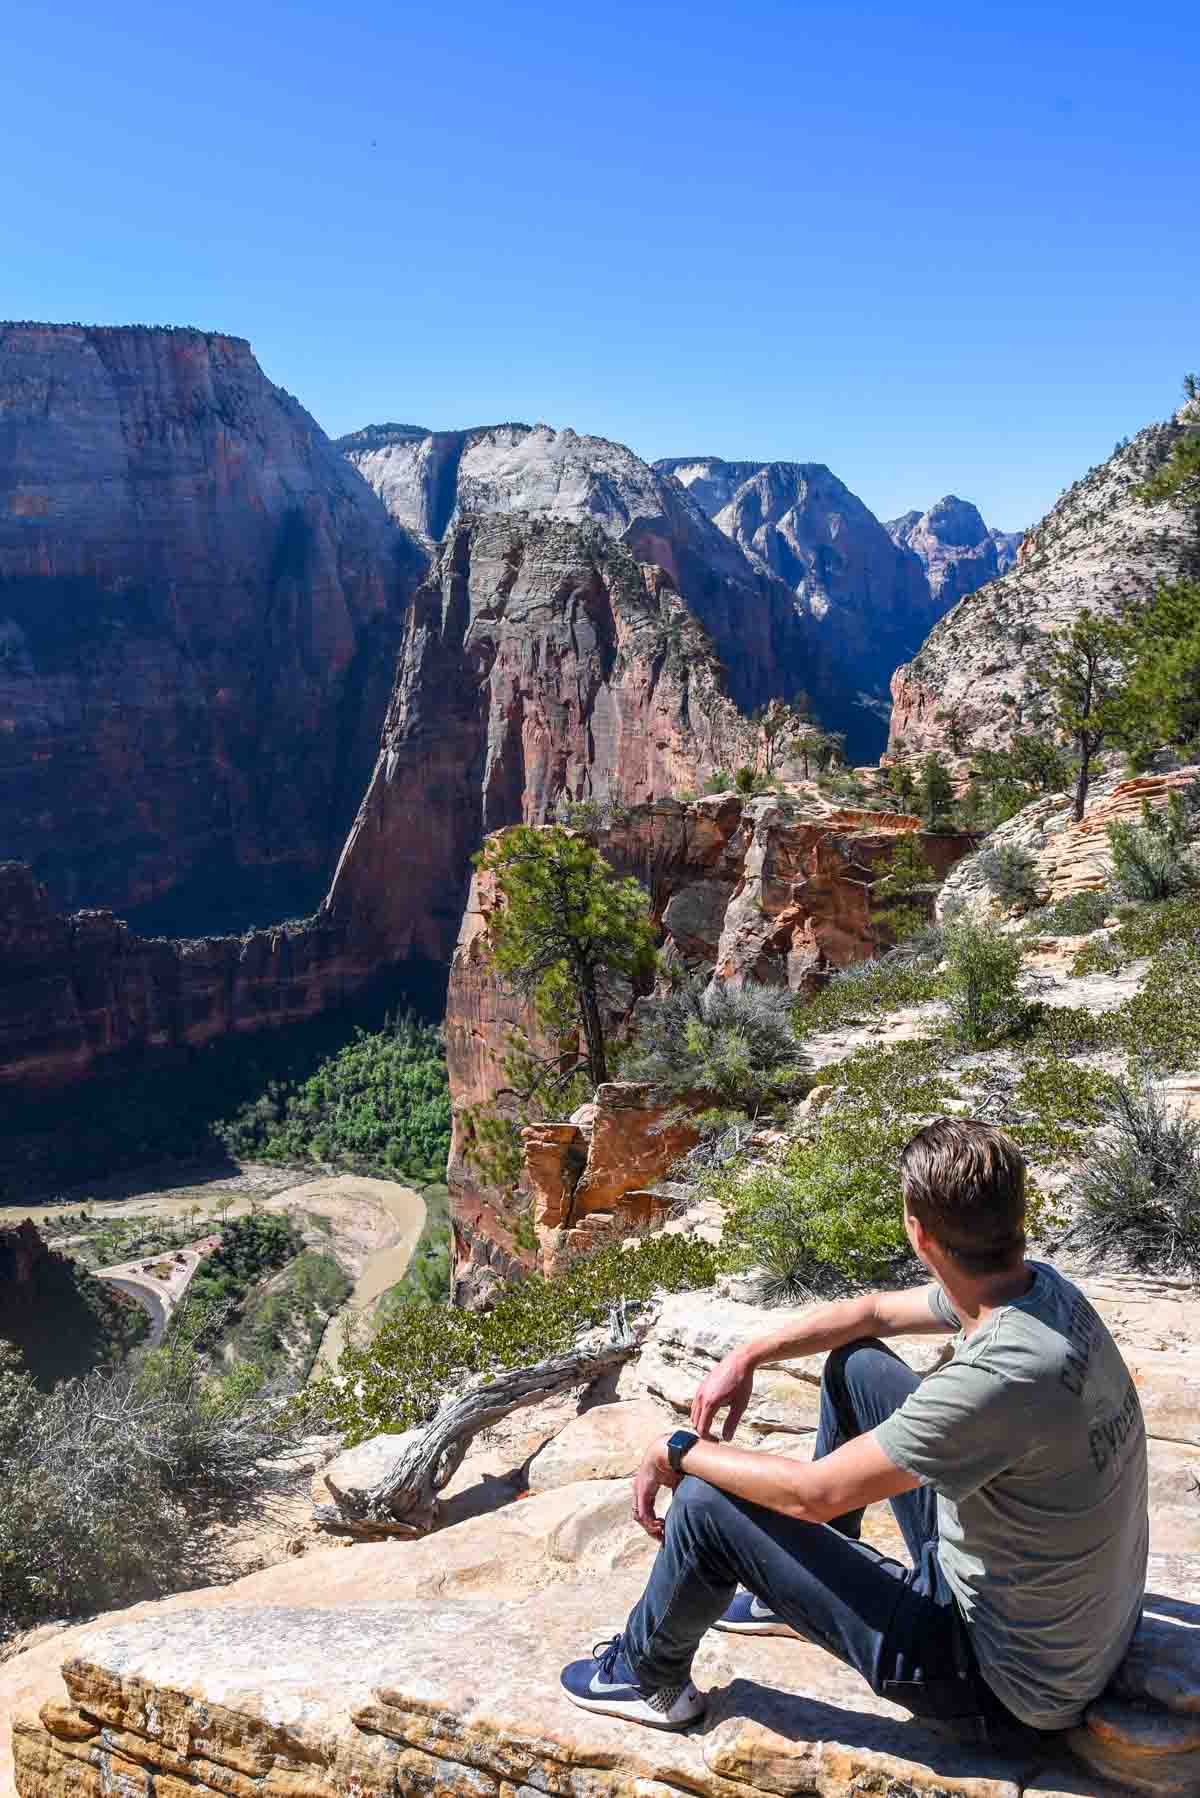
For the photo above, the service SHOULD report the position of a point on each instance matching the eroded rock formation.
(200, 604)
(431, 484)
(979, 677)
(754, 891)
(542, 664)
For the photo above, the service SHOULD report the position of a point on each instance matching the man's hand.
(730, 1384)
(652, 1476)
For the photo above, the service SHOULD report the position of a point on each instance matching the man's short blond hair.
(964, 1182)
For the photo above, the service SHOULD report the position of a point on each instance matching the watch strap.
(678, 1446)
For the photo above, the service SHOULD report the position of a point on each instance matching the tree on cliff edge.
(568, 928)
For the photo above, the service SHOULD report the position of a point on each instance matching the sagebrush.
(1141, 1186)
(737, 1046)
(110, 1484)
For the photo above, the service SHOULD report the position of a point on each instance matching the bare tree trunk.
(406, 1502)
(593, 1030)
(1083, 778)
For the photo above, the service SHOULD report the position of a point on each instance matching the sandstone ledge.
(461, 1696)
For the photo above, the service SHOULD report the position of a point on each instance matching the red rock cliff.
(200, 603)
(77, 992)
(756, 891)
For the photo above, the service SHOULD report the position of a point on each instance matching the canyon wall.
(79, 993)
(979, 677)
(200, 604)
(757, 891)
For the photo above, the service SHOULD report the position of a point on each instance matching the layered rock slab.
(462, 1696)
(406, 1698)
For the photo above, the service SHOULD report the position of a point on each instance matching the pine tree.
(1086, 692)
(568, 927)
(935, 793)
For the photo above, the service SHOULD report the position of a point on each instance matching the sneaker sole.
(632, 1713)
(759, 1629)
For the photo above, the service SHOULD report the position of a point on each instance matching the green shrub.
(1160, 1025)
(1074, 916)
(829, 1217)
(1141, 1192)
(1143, 931)
(983, 967)
(1056, 1096)
(1073, 1030)
(863, 991)
(1148, 858)
(397, 1379)
(1011, 872)
(736, 1045)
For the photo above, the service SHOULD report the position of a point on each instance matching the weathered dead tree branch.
(406, 1503)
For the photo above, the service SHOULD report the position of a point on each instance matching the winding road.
(375, 1226)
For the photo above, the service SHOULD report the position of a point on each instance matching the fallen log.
(405, 1502)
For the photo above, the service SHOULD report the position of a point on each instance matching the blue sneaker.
(606, 1683)
(749, 1616)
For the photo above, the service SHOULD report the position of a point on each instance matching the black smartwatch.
(678, 1446)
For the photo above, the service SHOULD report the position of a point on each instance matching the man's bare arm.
(823, 1328)
(857, 1474)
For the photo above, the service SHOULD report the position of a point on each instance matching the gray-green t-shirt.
(1032, 1437)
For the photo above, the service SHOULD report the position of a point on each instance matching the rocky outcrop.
(200, 603)
(60, 1321)
(403, 1669)
(869, 595)
(432, 483)
(956, 549)
(82, 994)
(980, 676)
(753, 891)
(1068, 858)
(542, 664)
(594, 1176)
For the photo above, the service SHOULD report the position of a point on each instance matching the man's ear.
(916, 1235)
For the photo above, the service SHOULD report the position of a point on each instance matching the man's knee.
(837, 1361)
(698, 1504)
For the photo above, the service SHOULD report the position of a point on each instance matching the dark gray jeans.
(898, 1626)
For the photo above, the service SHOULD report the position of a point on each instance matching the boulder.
(605, 1443)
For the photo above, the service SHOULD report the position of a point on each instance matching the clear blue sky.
(940, 247)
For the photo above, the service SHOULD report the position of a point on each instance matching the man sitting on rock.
(1016, 1472)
